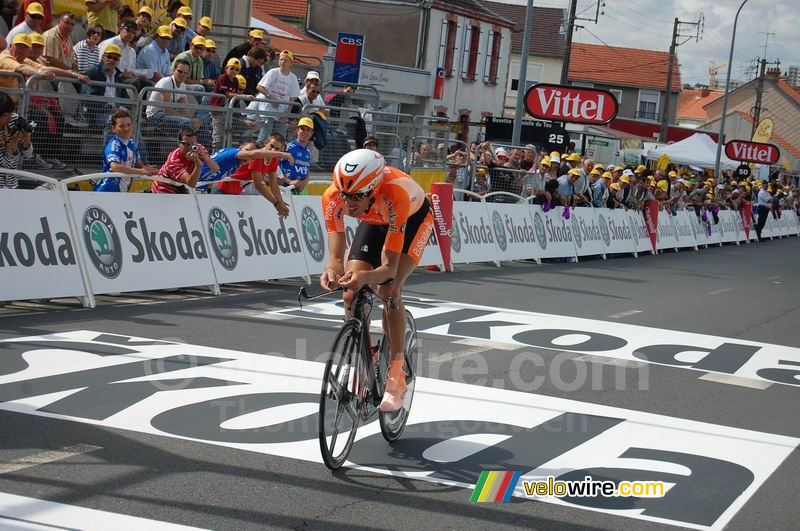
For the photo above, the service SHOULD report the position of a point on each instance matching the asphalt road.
(746, 294)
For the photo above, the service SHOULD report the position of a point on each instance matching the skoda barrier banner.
(472, 234)
(513, 231)
(684, 223)
(729, 230)
(552, 234)
(307, 212)
(249, 241)
(667, 235)
(141, 241)
(639, 232)
(586, 232)
(37, 254)
(616, 231)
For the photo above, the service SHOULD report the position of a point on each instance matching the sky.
(648, 24)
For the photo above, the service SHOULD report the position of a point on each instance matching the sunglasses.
(190, 145)
(184, 72)
(274, 147)
(112, 57)
(95, 33)
(36, 17)
(234, 68)
(358, 196)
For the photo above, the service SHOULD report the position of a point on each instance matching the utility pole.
(516, 131)
(573, 6)
(670, 68)
(760, 93)
(767, 35)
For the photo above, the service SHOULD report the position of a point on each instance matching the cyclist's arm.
(387, 270)
(335, 266)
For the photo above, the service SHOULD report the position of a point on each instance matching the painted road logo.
(499, 230)
(312, 234)
(101, 239)
(541, 233)
(223, 239)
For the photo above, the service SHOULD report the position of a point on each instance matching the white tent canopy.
(696, 150)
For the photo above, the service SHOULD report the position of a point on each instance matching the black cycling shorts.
(368, 241)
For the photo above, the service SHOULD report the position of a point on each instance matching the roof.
(692, 101)
(775, 136)
(546, 38)
(292, 39)
(471, 8)
(789, 89)
(279, 8)
(615, 65)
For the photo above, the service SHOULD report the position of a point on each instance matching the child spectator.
(228, 85)
(297, 173)
(121, 155)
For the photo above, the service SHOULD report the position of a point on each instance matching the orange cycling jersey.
(395, 200)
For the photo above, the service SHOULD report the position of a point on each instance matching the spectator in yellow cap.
(180, 38)
(144, 27)
(154, 57)
(104, 13)
(204, 26)
(256, 37)
(297, 174)
(34, 20)
(226, 84)
(640, 169)
(211, 69)
(278, 85)
(194, 57)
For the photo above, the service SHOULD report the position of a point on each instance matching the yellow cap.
(555, 154)
(618, 168)
(663, 185)
(287, 54)
(574, 171)
(35, 9)
(36, 38)
(147, 10)
(199, 41)
(574, 157)
(734, 183)
(241, 79)
(164, 31)
(651, 180)
(640, 168)
(181, 22)
(545, 161)
(673, 174)
(598, 167)
(22, 38)
(185, 11)
(257, 34)
(615, 187)
(206, 22)
(710, 196)
(607, 175)
(112, 49)
(595, 172)
(625, 179)
(211, 44)
(308, 122)
(233, 62)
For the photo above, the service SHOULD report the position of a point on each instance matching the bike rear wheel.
(393, 423)
(338, 401)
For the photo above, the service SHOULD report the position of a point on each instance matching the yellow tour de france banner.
(79, 6)
(763, 131)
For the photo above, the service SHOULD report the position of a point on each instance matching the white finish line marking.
(718, 291)
(29, 461)
(448, 356)
(735, 380)
(623, 314)
(20, 512)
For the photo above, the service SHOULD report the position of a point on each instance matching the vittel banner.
(473, 235)
(141, 241)
(554, 237)
(589, 238)
(249, 241)
(513, 231)
(37, 253)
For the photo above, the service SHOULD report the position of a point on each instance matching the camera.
(195, 147)
(23, 125)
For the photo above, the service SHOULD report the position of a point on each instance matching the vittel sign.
(756, 152)
(563, 103)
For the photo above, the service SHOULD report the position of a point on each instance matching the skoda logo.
(720, 229)
(499, 230)
(538, 226)
(223, 239)
(312, 234)
(101, 240)
(694, 229)
(604, 230)
(576, 231)
(634, 231)
(455, 237)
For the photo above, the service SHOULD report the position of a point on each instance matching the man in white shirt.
(127, 63)
(764, 203)
(277, 84)
(34, 16)
(164, 115)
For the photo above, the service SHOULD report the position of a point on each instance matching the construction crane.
(712, 74)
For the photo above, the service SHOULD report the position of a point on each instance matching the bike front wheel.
(338, 401)
(393, 423)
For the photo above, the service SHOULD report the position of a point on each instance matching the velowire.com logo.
(101, 239)
(223, 239)
(499, 230)
(312, 234)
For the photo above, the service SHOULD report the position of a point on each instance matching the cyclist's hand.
(329, 280)
(351, 280)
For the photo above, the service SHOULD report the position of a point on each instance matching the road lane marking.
(449, 356)
(42, 458)
(735, 380)
(718, 291)
(623, 314)
(493, 345)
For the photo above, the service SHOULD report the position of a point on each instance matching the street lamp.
(725, 96)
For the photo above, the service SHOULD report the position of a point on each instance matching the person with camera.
(458, 173)
(183, 165)
(15, 141)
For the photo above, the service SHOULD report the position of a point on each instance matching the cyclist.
(396, 222)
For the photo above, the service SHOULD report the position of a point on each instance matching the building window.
(647, 108)
(617, 94)
(470, 62)
(534, 74)
(451, 27)
(492, 57)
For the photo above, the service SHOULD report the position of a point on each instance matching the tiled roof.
(279, 8)
(692, 101)
(790, 90)
(545, 37)
(299, 44)
(775, 136)
(614, 65)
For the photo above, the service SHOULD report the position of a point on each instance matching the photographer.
(458, 173)
(15, 140)
(183, 165)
